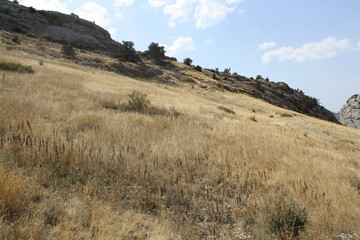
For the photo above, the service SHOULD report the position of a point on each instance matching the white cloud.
(328, 47)
(209, 13)
(125, 3)
(233, 1)
(157, 3)
(94, 12)
(181, 9)
(181, 44)
(266, 45)
(53, 5)
(205, 12)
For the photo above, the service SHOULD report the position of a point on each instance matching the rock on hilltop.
(56, 26)
(350, 112)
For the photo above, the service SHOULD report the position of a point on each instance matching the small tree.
(155, 52)
(198, 68)
(227, 70)
(127, 52)
(68, 50)
(259, 77)
(188, 61)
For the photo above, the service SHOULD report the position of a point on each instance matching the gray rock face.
(57, 26)
(350, 112)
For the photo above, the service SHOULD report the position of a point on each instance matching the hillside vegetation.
(90, 154)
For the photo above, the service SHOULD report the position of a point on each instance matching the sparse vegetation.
(227, 70)
(225, 109)
(15, 67)
(286, 115)
(5, 10)
(188, 61)
(68, 50)
(127, 52)
(19, 29)
(15, 39)
(198, 68)
(286, 220)
(155, 52)
(188, 80)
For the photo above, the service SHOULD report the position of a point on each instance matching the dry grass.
(101, 173)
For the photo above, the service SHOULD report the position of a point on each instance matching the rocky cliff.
(350, 112)
(56, 26)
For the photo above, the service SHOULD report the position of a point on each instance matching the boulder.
(350, 112)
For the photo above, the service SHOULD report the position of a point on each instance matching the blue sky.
(313, 45)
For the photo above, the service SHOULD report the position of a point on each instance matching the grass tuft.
(225, 109)
(15, 67)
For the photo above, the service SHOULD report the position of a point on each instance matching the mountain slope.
(76, 161)
(88, 36)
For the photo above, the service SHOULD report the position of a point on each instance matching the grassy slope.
(84, 171)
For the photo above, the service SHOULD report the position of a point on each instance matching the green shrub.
(68, 50)
(138, 102)
(198, 68)
(188, 61)
(225, 109)
(15, 67)
(286, 220)
(127, 52)
(15, 39)
(155, 52)
(19, 29)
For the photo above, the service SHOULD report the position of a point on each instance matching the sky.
(312, 45)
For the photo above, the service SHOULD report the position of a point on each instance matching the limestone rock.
(57, 26)
(350, 112)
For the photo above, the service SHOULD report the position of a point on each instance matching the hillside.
(84, 154)
(87, 36)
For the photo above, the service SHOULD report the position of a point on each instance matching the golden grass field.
(72, 169)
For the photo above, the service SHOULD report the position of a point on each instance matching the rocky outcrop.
(56, 26)
(276, 93)
(350, 112)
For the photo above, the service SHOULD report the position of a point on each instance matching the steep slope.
(83, 34)
(77, 160)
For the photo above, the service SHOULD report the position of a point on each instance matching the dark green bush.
(19, 29)
(225, 109)
(286, 220)
(68, 50)
(127, 52)
(227, 70)
(138, 103)
(198, 68)
(155, 52)
(15, 39)
(188, 61)
(15, 67)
